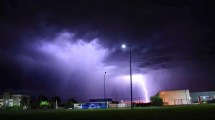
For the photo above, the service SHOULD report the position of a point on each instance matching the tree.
(36, 103)
(70, 103)
(24, 101)
(156, 101)
(42, 98)
(44, 104)
(55, 102)
(53, 99)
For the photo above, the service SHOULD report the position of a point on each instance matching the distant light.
(123, 46)
(203, 97)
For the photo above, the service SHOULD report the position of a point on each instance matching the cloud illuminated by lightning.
(77, 67)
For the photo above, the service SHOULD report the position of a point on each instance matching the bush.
(14, 108)
(34, 105)
(143, 104)
(211, 101)
(45, 105)
(70, 103)
(156, 101)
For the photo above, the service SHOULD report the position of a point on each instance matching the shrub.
(70, 103)
(45, 105)
(143, 104)
(34, 105)
(156, 101)
(14, 108)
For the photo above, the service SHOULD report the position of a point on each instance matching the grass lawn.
(196, 112)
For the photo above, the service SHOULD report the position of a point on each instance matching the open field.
(197, 112)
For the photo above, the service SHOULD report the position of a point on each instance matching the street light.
(124, 46)
(104, 86)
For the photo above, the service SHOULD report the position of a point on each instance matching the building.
(202, 97)
(90, 105)
(9, 100)
(93, 104)
(1, 101)
(175, 97)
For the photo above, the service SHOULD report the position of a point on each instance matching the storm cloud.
(64, 48)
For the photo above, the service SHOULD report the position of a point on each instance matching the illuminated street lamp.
(124, 46)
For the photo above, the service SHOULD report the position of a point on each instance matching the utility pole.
(104, 86)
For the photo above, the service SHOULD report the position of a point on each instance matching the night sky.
(58, 47)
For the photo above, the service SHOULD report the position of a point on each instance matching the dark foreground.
(197, 112)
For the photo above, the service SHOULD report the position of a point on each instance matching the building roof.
(100, 100)
(173, 90)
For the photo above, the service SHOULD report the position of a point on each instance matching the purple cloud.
(79, 67)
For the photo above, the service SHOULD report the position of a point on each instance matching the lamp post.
(124, 46)
(104, 86)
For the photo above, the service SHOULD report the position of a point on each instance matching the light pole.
(124, 46)
(104, 86)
